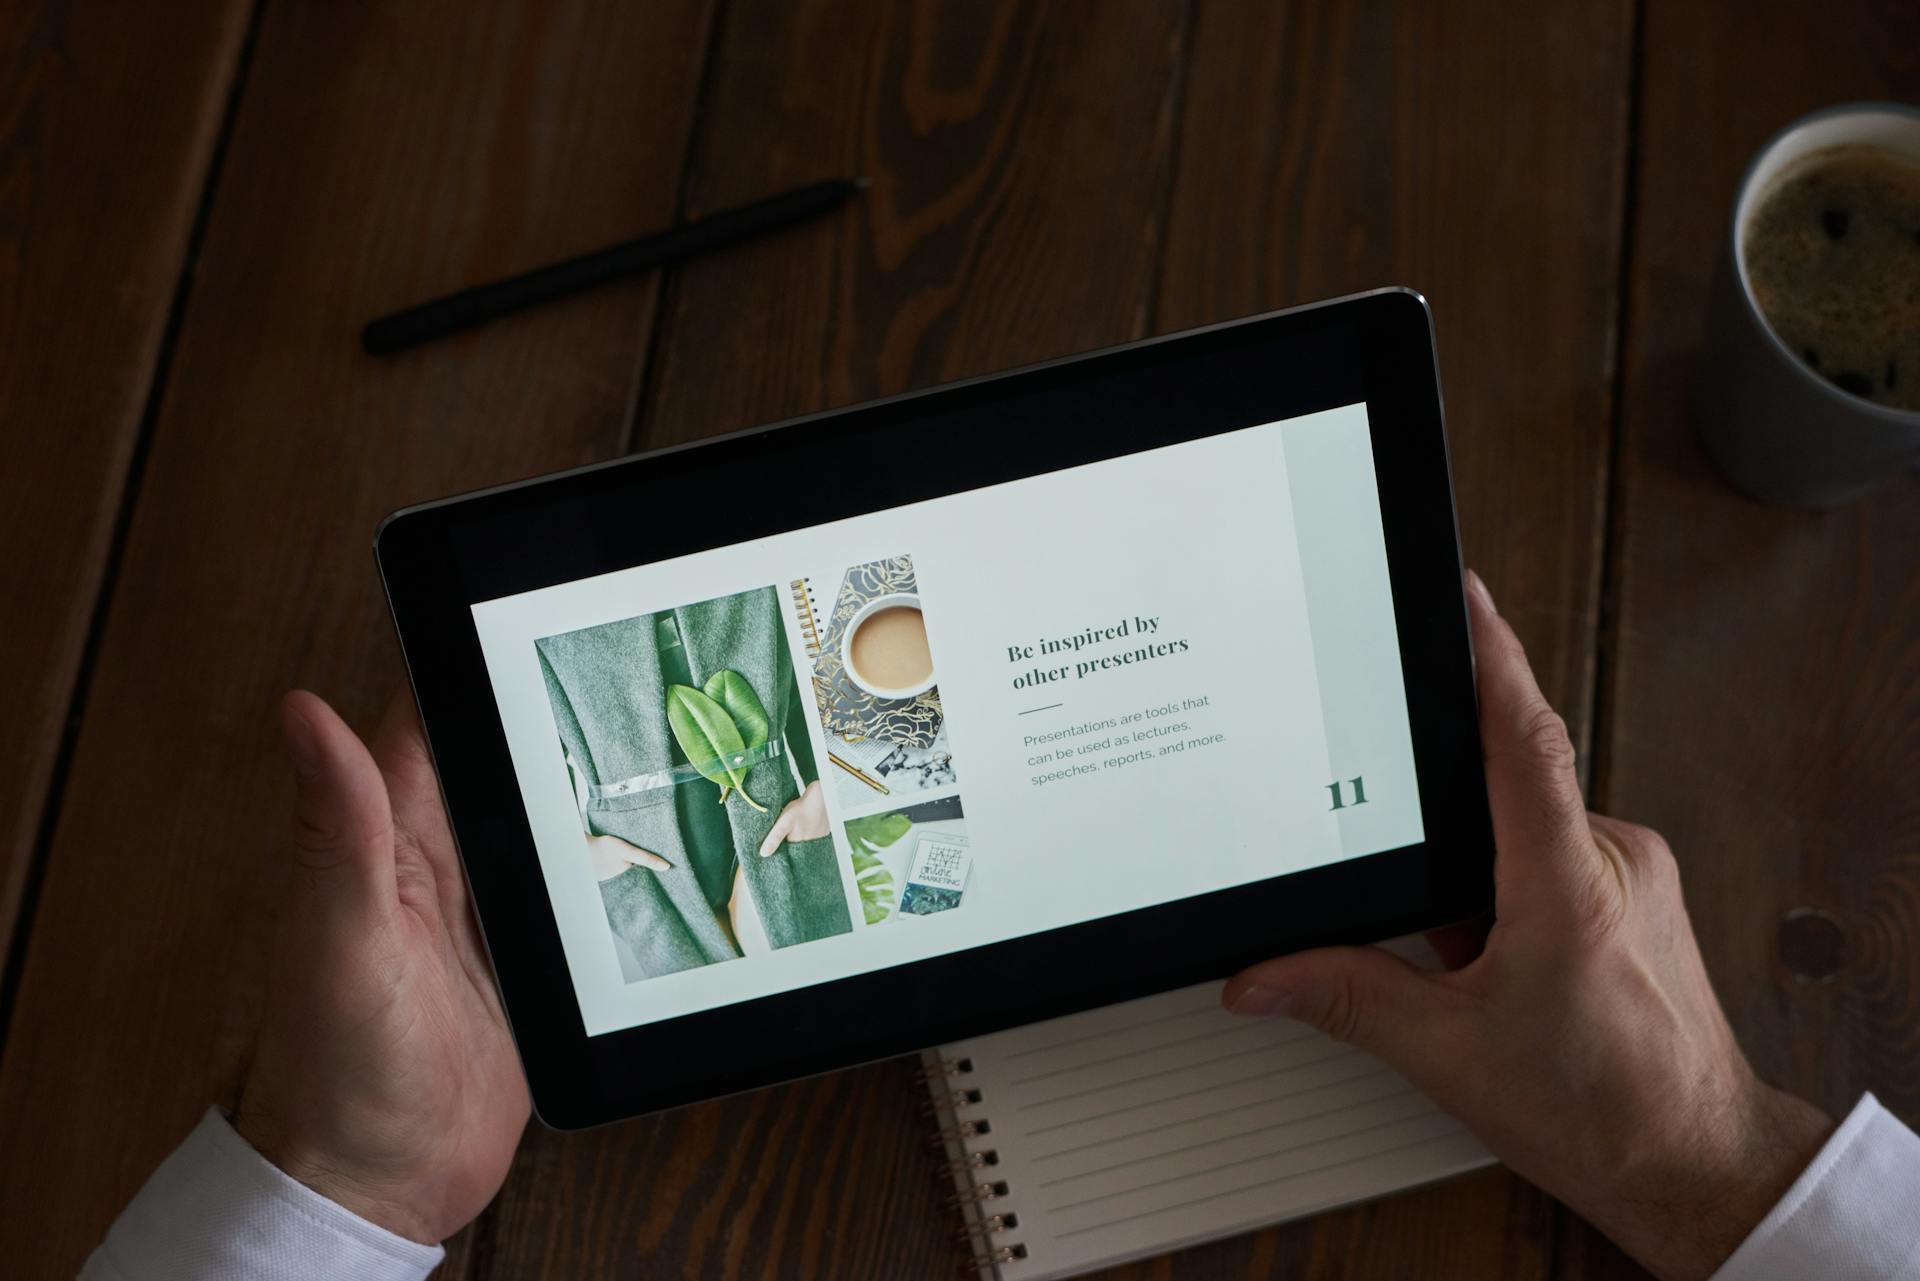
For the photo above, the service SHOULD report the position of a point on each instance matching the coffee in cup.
(1804, 390)
(1833, 257)
(886, 651)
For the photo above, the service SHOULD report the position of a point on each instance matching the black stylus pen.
(482, 303)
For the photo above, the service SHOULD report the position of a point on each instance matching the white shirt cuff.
(1852, 1215)
(217, 1210)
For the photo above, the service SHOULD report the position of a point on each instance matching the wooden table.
(200, 203)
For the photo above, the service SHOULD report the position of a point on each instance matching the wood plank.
(1474, 151)
(1011, 218)
(381, 155)
(107, 127)
(1017, 161)
(1485, 1225)
(1762, 703)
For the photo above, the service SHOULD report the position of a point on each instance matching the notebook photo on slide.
(1142, 1128)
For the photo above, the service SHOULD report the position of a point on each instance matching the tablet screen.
(952, 722)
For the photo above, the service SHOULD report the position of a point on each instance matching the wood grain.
(823, 1178)
(1484, 1225)
(107, 127)
(379, 156)
(1763, 707)
(1017, 154)
(1047, 179)
(1476, 152)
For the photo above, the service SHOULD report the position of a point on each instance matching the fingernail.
(1479, 588)
(1257, 1000)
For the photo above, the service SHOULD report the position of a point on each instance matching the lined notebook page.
(1140, 1128)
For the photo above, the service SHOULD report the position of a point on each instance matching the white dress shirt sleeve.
(1852, 1215)
(216, 1210)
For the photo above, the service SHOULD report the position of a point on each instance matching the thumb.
(781, 827)
(342, 818)
(1364, 996)
(1539, 818)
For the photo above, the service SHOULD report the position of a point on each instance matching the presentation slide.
(949, 723)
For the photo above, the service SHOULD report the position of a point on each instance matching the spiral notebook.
(1138, 1129)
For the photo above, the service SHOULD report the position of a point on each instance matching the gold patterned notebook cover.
(845, 708)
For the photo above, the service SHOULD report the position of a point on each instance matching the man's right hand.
(385, 1076)
(1583, 1044)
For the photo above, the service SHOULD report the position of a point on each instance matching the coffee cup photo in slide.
(885, 649)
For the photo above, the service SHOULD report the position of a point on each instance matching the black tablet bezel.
(441, 558)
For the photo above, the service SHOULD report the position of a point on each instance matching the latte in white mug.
(886, 648)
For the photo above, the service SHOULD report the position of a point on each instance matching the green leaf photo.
(711, 738)
(875, 882)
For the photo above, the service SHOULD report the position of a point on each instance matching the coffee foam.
(1832, 253)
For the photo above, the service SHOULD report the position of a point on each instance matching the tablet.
(903, 723)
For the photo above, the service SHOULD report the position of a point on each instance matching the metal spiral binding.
(958, 1133)
(954, 1102)
(949, 1068)
(987, 1227)
(974, 1161)
(982, 1228)
(809, 623)
(1000, 1254)
(979, 1192)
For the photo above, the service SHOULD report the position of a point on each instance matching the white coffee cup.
(866, 681)
(1779, 431)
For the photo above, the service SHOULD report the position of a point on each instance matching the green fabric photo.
(608, 688)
